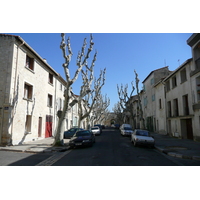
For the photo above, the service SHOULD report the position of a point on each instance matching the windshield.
(83, 133)
(95, 128)
(142, 133)
(127, 128)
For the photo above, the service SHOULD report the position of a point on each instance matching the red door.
(48, 132)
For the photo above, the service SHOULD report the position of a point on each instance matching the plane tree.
(69, 99)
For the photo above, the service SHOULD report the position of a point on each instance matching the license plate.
(78, 144)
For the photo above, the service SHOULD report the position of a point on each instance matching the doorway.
(40, 127)
(186, 129)
(48, 132)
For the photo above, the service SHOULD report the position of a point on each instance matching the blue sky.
(119, 53)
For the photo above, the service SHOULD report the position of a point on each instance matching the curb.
(177, 155)
(44, 150)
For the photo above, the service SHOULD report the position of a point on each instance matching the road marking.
(51, 160)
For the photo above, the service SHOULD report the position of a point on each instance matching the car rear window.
(95, 128)
(127, 128)
(142, 133)
(83, 133)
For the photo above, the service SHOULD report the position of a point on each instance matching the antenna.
(178, 62)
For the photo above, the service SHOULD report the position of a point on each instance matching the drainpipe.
(12, 114)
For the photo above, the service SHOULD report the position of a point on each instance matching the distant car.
(112, 125)
(96, 130)
(99, 125)
(82, 138)
(142, 137)
(68, 134)
(126, 130)
(117, 126)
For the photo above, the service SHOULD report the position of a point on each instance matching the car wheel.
(135, 144)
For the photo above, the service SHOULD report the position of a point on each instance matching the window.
(167, 86)
(198, 88)
(28, 91)
(160, 104)
(59, 104)
(183, 76)
(176, 113)
(153, 97)
(152, 81)
(28, 123)
(50, 100)
(51, 78)
(169, 109)
(145, 101)
(174, 83)
(29, 62)
(197, 56)
(185, 105)
(61, 86)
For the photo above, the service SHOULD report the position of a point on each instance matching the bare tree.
(139, 101)
(68, 94)
(125, 100)
(85, 107)
(118, 111)
(100, 108)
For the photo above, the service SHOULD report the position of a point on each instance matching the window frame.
(28, 91)
(183, 75)
(50, 100)
(50, 79)
(30, 64)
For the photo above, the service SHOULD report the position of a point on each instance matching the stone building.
(148, 96)
(179, 112)
(31, 93)
(194, 43)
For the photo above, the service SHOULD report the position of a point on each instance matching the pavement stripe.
(51, 160)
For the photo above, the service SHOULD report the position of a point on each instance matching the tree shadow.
(31, 113)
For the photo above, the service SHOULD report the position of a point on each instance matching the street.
(110, 149)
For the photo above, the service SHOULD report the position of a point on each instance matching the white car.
(142, 137)
(96, 130)
(126, 129)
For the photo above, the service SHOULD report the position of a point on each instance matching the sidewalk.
(39, 146)
(180, 148)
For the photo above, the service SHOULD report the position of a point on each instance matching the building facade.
(149, 96)
(31, 93)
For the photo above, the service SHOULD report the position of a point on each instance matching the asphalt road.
(110, 149)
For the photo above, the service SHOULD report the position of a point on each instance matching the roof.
(153, 72)
(179, 68)
(32, 50)
(194, 38)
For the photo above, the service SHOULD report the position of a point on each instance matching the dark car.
(99, 125)
(68, 134)
(82, 138)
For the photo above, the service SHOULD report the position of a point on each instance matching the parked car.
(82, 138)
(96, 130)
(99, 125)
(117, 126)
(68, 134)
(142, 137)
(126, 129)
